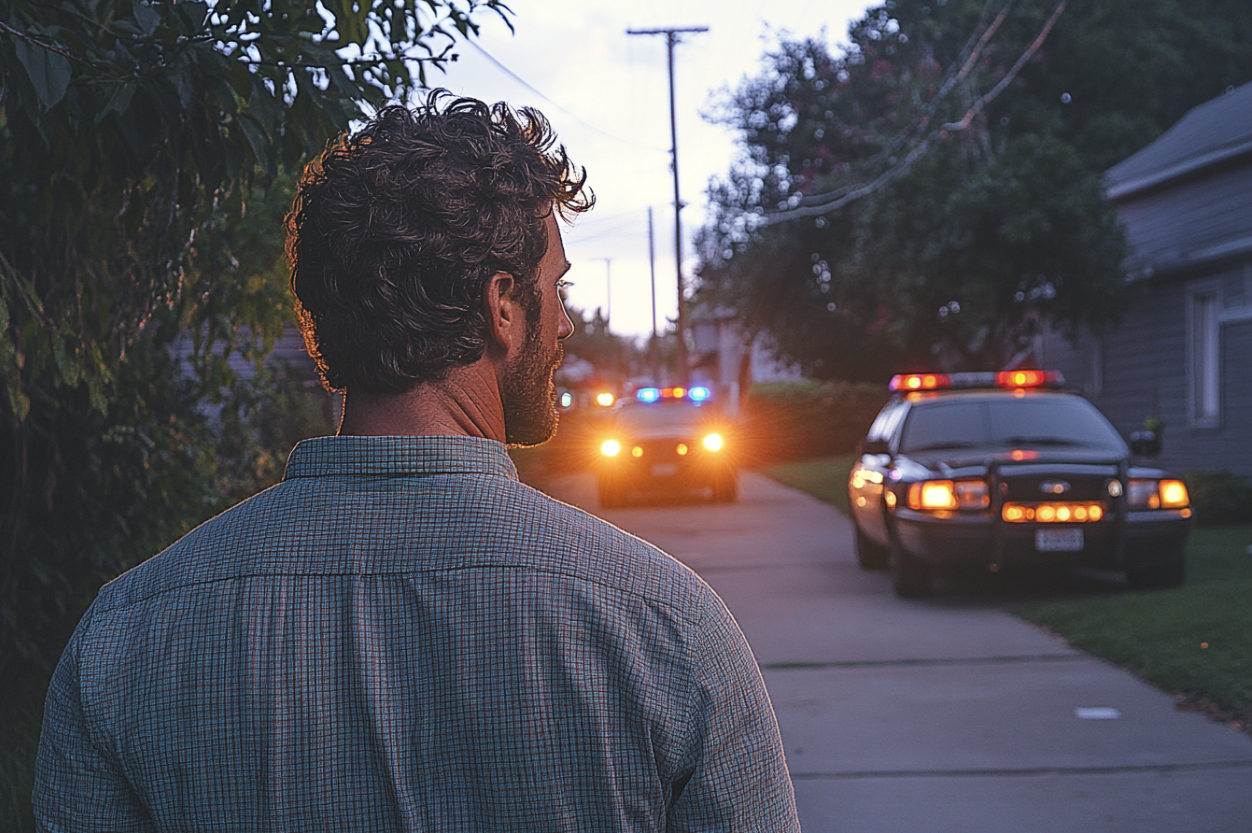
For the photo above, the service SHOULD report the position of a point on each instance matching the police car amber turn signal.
(1003, 469)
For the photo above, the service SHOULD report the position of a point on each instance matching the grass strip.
(1195, 640)
(825, 478)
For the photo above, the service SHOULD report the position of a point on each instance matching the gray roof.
(1209, 134)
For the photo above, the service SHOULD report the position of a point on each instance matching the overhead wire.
(519, 79)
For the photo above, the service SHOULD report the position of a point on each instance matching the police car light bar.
(696, 394)
(906, 382)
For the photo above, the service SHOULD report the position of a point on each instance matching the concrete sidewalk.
(947, 714)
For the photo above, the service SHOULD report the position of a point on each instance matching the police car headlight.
(1157, 494)
(610, 448)
(713, 442)
(935, 495)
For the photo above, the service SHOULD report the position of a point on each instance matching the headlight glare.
(610, 448)
(937, 495)
(713, 442)
(1174, 494)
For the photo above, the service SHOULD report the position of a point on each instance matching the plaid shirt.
(402, 636)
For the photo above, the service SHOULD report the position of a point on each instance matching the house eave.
(1187, 169)
(1182, 262)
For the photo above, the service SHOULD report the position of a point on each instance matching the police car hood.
(959, 458)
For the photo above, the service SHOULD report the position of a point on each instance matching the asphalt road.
(947, 714)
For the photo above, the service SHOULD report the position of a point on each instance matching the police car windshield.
(661, 415)
(1008, 422)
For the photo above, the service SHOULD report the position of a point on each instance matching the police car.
(1002, 469)
(666, 439)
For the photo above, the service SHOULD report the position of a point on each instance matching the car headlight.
(1157, 494)
(610, 448)
(934, 495)
(713, 442)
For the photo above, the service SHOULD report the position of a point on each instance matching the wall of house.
(1190, 222)
(1147, 368)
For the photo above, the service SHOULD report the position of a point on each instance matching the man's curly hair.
(396, 230)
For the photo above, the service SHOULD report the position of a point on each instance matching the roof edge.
(1183, 170)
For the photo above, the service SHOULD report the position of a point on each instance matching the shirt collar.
(398, 457)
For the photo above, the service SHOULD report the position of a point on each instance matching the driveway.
(947, 714)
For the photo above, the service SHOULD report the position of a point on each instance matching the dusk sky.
(607, 95)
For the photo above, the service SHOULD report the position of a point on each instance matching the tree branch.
(1011, 74)
(57, 49)
(818, 204)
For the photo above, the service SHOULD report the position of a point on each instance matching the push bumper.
(1135, 539)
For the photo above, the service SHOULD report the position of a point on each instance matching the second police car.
(999, 469)
(666, 439)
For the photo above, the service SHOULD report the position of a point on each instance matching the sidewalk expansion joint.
(881, 663)
(1019, 773)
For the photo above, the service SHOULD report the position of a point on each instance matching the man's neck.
(466, 404)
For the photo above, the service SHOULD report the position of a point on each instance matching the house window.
(1205, 358)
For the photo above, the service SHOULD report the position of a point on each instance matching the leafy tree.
(142, 147)
(932, 196)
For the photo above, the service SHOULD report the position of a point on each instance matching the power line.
(519, 79)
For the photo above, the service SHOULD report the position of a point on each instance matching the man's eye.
(564, 284)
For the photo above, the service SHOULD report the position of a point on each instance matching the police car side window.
(885, 423)
(945, 425)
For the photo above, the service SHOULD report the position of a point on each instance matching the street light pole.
(671, 38)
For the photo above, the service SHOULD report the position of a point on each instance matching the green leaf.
(49, 72)
(192, 15)
(67, 362)
(146, 17)
(258, 140)
(98, 401)
(118, 101)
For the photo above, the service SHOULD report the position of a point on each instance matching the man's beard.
(530, 416)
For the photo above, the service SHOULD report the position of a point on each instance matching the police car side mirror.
(1145, 443)
(875, 447)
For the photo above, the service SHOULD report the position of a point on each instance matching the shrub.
(1219, 497)
(801, 420)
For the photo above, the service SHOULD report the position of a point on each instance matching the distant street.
(942, 715)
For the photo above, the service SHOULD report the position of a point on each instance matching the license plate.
(1058, 540)
(665, 470)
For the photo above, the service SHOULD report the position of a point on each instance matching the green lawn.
(1195, 640)
(825, 479)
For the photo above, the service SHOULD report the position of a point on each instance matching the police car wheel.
(725, 489)
(869, 555)
(910, 576)
(611, 496)
(1171, 573)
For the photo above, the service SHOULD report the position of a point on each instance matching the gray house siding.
(1140, 370)
(1183, 354)
(1217, 211)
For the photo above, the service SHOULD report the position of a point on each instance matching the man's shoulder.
(567, 539)
(208, 552)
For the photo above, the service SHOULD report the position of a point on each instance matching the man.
(400, 635)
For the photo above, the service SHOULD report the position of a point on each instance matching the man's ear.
(506, 320)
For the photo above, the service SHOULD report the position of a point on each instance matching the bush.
(1219, 497)
(802, 420)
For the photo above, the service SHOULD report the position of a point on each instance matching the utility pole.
(608, 291)
(671, 38)
(653, 347)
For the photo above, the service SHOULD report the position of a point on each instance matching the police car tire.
(725, 489)
(610, 496)
(910, 576)
(1170, 573)
(869, 555)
